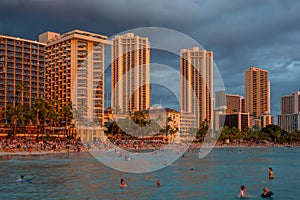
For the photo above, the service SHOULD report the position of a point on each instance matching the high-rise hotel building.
(130, 73)
(290, 112)
(257, 96)
(257, 92)
(21, 71)
(196, 83)
(75, 71)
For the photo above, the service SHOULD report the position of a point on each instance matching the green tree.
(274, 133)
(201, 132)
(15, 114)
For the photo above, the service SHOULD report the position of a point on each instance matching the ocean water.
(218, 176)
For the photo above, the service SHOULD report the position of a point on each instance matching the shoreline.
(43, 153)
(34, 153)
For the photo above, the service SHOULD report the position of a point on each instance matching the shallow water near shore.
(218, 176)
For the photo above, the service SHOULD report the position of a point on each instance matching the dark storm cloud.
(241, 33)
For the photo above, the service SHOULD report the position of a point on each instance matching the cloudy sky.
(241, 33)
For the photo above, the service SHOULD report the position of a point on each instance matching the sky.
(241, 33)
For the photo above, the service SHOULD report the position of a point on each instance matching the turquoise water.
(218, 176)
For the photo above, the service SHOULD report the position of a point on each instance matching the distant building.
(75, 74)
(243, 105)
(257, 92)
(289, 119)
(22, 65)
(196, 83)
(130, 73)
(220, 99)
(236, 119)
(266, 120)
(257, 95)
(174, 117)
(187, 124)
(228, 111)
(233, 103)
(219, 108)
(171, 116)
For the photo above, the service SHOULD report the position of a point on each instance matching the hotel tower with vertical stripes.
(196, 83)
(130, 73)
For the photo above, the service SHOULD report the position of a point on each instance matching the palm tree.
(22, 88)
(40, 112)
(51, 116)
(201, 132)
(14, 114)
(67, 116)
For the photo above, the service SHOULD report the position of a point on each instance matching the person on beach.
(122, 183)
(21, 179)
(242, 193)
(266, 193)
(271, 173)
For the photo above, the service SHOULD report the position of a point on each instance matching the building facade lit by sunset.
(289, 119)
(257, 96)
(257, 91)
(233, 103)
(75, 72)
(130, 73)
(196, 83)
(21, 71)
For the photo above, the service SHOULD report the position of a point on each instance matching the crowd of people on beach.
(18, 145)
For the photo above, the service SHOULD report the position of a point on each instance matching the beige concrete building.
(290, 104)
(266, 120)
(21, 71)
(236, 119)
(130, 73)
(220, 99)
(229, 111)
(187, 124)
(174, 117)
(233, 103)
(289, 119)
(75, 74)
(257, 92)
(196, 83)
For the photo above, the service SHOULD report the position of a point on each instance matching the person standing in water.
(243, 192)
(158, 183)
(122, 183)
(271, 174)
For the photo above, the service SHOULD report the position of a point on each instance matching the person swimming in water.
(122, 183)
(158, 183)
(266, 193)
(242, 193)
(21, 180)
(271, 173)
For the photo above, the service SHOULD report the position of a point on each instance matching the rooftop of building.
(129, 35)
(21, 39)
(253, 68)
(195, 49)
(292, 94)
(234, 95)
(57, 37)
